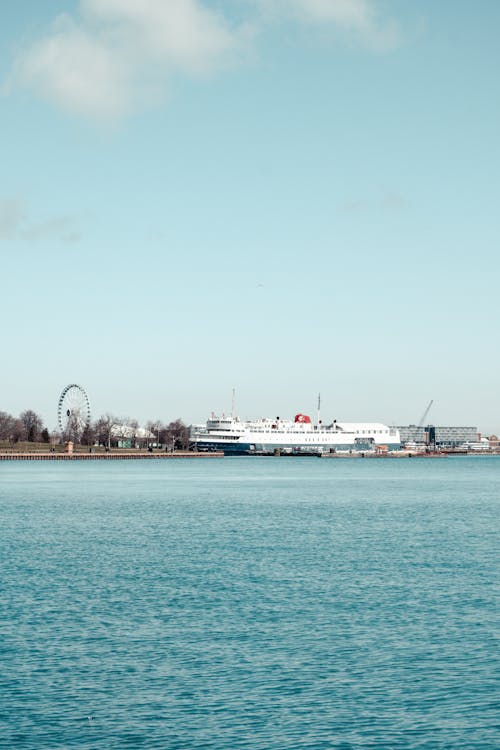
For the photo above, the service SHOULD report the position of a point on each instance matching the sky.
(284, 197)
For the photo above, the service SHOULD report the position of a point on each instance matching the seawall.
(136, 455)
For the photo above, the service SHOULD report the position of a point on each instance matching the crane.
(415, 432)
(424, 415)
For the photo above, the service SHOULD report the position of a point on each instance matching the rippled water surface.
(249, 603)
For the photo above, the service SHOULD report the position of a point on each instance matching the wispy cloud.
(113, 56)
(359, 18)
(12, 217)
(16, 224)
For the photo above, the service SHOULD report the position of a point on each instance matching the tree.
(32, 425)
(88, 435)
(103, 427)
(157, 429)
(44, 435)
(177, 435)
(17, 431)
(10, 427)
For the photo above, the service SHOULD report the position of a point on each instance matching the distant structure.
(73, 412)
(126, 436)
(445, 437)
(415, 431)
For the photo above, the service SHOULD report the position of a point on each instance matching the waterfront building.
(126, 436)
(446, 436)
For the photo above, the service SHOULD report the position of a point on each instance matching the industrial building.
(445, 437)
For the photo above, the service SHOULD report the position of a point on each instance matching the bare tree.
(177, 435)
(18, 431)
(103, 428)
(32, 425)
(10, 427)
(163, 434)
(5, 425)
(88, 435)
(156, 429)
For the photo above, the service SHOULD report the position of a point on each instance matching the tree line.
(27, 427)
(109, 431)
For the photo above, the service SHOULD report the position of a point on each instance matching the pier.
(394, 454)
(109, 456)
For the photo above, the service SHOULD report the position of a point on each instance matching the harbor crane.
(424, 415)
(415, 432)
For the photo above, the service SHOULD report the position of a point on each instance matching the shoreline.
(137, 455)
(142, 455)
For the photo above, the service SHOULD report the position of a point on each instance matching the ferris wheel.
(73, 411)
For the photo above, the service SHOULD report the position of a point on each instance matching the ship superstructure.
(295, 437)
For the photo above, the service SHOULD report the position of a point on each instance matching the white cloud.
(182, 33)
(357, 17)
(114, 55)
(11, 217)
(75, 69)
(16, 224)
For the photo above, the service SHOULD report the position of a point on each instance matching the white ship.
(293, 437)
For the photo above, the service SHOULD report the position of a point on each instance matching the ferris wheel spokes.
(73, 412)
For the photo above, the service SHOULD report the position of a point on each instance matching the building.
(125, 436)
(446, 437)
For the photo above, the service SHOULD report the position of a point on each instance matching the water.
(249, 603)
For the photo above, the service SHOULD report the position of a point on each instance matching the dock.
(391, 455)
(109, 456)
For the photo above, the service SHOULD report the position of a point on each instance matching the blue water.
(269, 603)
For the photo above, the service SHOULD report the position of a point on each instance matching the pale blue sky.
(284, 198)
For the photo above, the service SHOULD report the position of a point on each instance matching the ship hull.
(292, 449)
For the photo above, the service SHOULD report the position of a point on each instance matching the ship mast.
(319, 410)
(232, 405)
